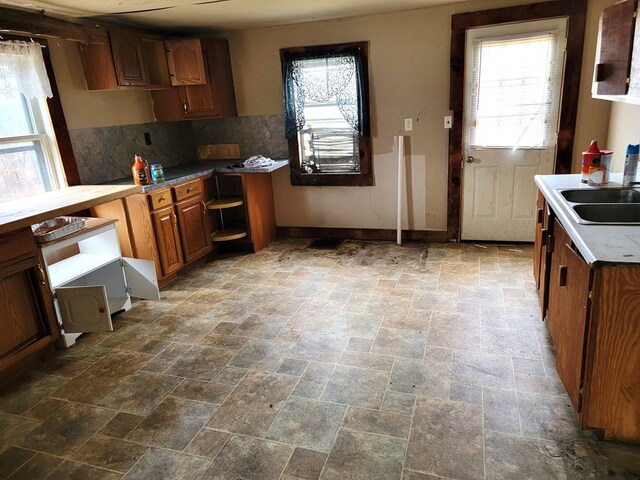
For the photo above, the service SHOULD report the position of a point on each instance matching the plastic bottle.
(140, 171)
(630, 164)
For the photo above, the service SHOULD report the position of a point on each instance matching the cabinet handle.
(204, 207)
(43, 277)
(543, 238)
(162, 199)
(539, 216)
(562, 276)
(175, 219)
(184, 106)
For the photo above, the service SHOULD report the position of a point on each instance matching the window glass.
(513, 91)
(327, 114)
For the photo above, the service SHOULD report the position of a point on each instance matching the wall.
(623, 130)
(409, 74)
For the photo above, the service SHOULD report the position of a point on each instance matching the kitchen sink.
(604, 195)
(623, 214)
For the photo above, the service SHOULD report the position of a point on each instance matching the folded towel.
(257, 161)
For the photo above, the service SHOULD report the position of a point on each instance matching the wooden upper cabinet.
(185, 62)
(213, 100)
(615, 48)
(128, 59)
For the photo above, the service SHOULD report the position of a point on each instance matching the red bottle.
(140, 171)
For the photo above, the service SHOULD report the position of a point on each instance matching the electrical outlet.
(448, 122)
(408, 124)
(147, 138)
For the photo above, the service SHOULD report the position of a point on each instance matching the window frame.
(365, 177)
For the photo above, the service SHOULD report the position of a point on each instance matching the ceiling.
(221, 15)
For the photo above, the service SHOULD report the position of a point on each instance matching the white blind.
(512, 90)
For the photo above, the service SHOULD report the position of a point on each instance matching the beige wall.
(84, 108)
(623, 130)
(593, 115)
(409, 73)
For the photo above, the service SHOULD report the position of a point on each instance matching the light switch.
(408, 124)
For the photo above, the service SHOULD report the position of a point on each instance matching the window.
(29, 161)
(513, 80)
(327, 114)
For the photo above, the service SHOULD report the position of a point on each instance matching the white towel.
(257, 161)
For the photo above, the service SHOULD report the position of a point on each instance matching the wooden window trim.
(576, 13)
(365, 177)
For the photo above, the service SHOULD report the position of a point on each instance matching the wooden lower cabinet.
(568, 314)
(594, 323)
(194, 227)
(27, 319)
(542, 251)
(168, 238)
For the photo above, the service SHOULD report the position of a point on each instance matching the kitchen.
(107, 127)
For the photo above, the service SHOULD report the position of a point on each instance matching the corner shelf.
(232, 233)
(226, 202)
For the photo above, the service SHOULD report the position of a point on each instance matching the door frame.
(576, 13)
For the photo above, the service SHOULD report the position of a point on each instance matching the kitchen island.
(27, 316)
(588, 279)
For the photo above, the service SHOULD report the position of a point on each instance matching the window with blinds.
(513, 90)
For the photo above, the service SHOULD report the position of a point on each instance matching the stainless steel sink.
(604, 195)
(609, 213)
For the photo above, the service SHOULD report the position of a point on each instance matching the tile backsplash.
(106, 153)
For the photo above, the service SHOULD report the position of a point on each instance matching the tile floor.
(373, 361)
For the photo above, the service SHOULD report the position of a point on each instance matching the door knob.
(470, 159)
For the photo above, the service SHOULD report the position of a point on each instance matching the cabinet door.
(23, 321)
(542, 255)
(194, 227)
(84, 309)
(141, 278)
(613, 65)
(568, 316)
(128, 60)
(184, 58)
(165, 224)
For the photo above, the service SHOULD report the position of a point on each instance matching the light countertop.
(192, 170)
(598, 244)
(21, 213)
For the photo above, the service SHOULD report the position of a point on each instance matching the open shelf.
(227, 234)
(74, 267)
(226, 202)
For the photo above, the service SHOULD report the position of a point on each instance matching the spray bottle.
(630, 165)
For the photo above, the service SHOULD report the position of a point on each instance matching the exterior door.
(512, 96)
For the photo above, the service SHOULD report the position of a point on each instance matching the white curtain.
(22, 70)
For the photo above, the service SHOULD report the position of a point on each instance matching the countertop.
(17, 214)
(189, 171)
(598, 244)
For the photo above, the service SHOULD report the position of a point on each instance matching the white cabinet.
(90, 279)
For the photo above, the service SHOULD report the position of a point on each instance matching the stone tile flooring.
(372, 361)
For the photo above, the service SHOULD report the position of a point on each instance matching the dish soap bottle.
(140, 171)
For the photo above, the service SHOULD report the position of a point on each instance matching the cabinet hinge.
(55, 296)
(550, 244)
(128, 290)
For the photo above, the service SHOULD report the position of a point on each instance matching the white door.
(141, 278)
(84, 309)
(512, 95)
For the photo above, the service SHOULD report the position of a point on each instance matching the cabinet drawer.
(188, 189)
(17, 245)
(160, 199)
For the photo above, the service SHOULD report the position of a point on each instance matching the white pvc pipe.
(400, 142)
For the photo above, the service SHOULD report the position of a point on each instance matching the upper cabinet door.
(613, 65)
(128, 60)
(84, 309)
(186, 65)
(141, 278)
